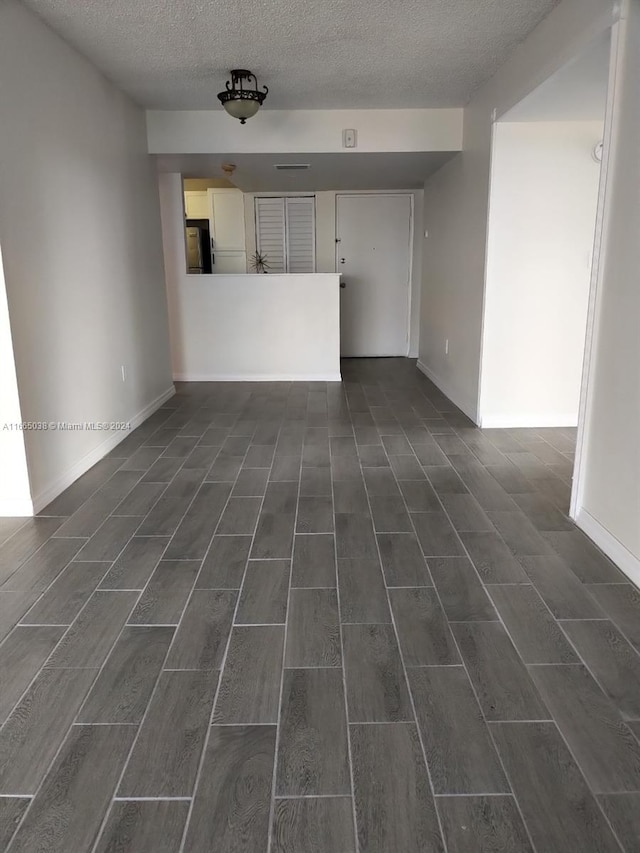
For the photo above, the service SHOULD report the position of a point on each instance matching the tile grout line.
(154, 690)
(109, 514)
(464, 664)
(71, 726)
(139, 726)
(102, 667)
(176, 625)
(57, 577)
(414, 722)
(221, 670)
(151, 800)
(580, 662)
(127, 624)
(48, 587)
(313, 797)
(52, 652)
(274, 778)
(342, 655)
(114, 514)
(67, 517)
(488, 723)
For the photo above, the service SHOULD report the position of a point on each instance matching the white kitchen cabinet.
(229, 262)
(226, 214)
(196, 204)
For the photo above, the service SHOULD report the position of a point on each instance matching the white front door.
(373, 251)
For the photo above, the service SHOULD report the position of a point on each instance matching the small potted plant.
(259, 262)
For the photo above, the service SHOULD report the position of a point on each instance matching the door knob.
(342, 284)
(343, 261)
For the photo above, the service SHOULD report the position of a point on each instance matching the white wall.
(544, 192)
(608, 471)
(326, 244)
(80, 235)
(15, 494)
(246, 327)
(456, 202)
(300, 131)
(606, 500)
(451, 302)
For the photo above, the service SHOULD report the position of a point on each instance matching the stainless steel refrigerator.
(198, 247)
(194, 250)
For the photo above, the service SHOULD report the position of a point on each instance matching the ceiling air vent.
(291, 167)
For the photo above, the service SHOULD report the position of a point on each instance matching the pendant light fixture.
(241, 98)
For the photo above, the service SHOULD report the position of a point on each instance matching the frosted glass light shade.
(242, 108)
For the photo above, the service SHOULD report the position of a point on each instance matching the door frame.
(410, 247)
(595, 289)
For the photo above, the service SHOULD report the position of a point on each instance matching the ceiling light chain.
(241, 102)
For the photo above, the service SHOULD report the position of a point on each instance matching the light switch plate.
(349, 138)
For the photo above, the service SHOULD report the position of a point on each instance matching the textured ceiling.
(339, 171)
(316, 54)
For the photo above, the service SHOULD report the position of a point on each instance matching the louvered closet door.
(270, 233)
(285, 233)
(300, 234)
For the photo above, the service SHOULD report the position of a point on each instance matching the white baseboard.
(257, 377)
(448, 392)
(46, 495)
(612, 547)
(529, 420)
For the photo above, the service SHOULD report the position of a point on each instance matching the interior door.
(373, 250)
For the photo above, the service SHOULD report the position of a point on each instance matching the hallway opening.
(543, 206)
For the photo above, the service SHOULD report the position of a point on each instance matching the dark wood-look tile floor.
(318, 618)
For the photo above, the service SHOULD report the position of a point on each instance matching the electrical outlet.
(446, 347)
